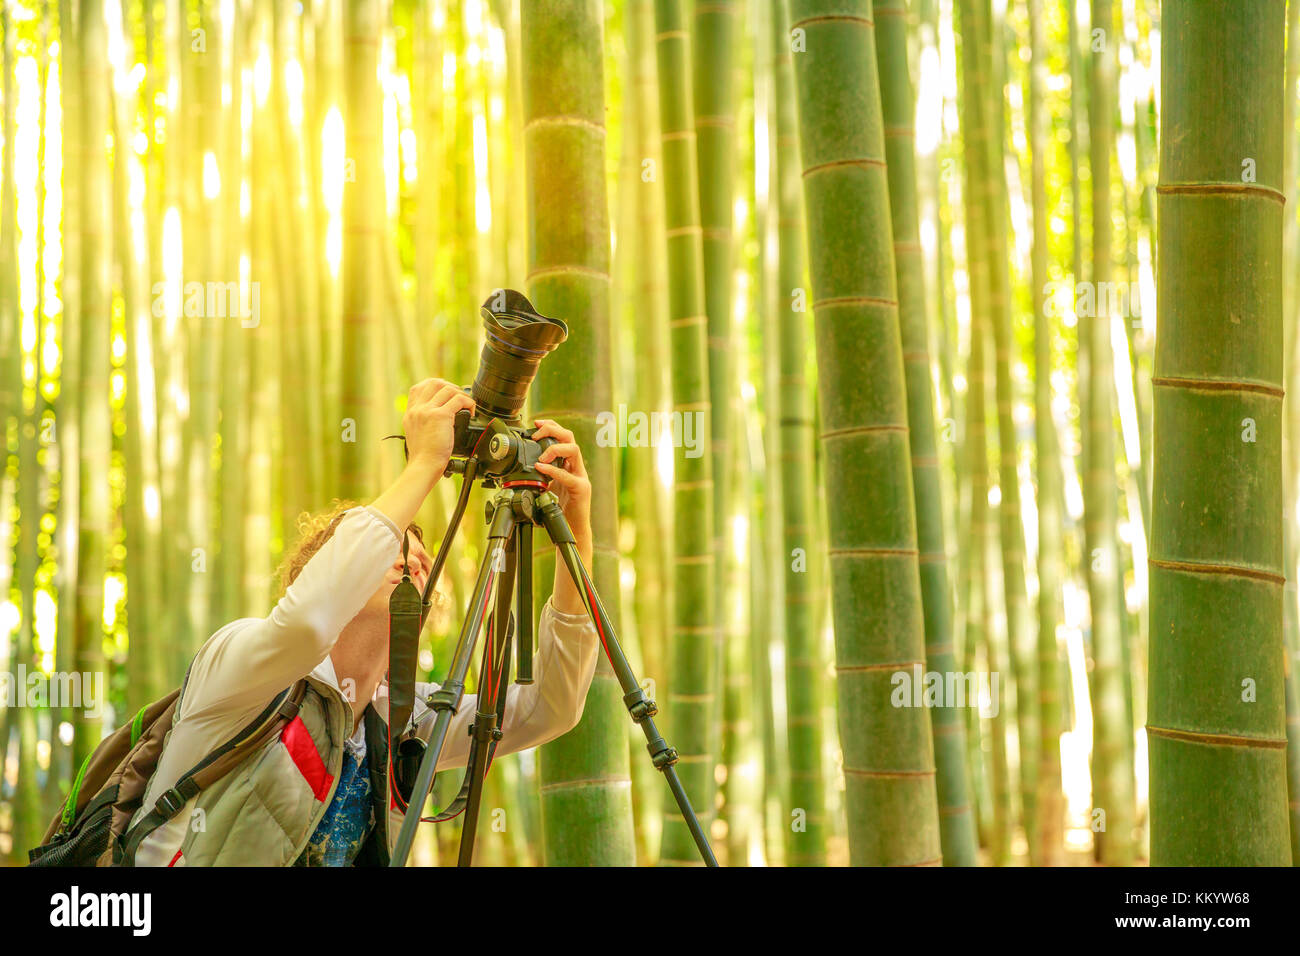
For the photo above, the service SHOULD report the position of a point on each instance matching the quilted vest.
(263, 812)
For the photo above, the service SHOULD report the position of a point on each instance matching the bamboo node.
(866, 162)
(870, 668)
(834, 18)
(575, 270)
(861, 430)
(1229, 570)
(855, 300)
(1216, 385)
(888, 774)
(562, 119)
(1222, 189)
(872, 552)
(588, 782)
(1218, 740)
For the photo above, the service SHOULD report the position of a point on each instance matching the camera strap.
(404, 619)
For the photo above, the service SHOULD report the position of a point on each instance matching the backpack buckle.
(171, 803)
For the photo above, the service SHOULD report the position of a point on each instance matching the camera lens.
(516, 339)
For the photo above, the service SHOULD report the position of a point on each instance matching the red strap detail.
(303, 751)
(175, 858)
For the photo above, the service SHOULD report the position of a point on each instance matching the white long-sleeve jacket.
(248, 662)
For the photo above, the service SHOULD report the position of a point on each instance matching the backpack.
(93, 826)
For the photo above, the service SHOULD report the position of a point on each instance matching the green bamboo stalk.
(264, 387)
(1078, 138)
(326, 30)
(804, 667)
(170, 377)
(875, 582)
(1112, 768)
(645, 269)
(427, 109)
(303, 423)
(1291, 431)
(514, 797)
(742, 740)
(1019, 630)
(767, 545)
(67, 434)
(957, 831)
(766, 627)
(363, 212)
(49, 800)
(233, 478)
(713, 63)
(1079, 95)
(465, 260)
(1134, 393)
(490, 848)
(146, 663)
(25, 805)
(200, 245)
(94, 512)
(991, 787)
(586, 783)
(691, 689)
(1217, 743)
(1046, 841)
(11, 352)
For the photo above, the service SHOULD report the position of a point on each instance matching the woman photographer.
(317, 794)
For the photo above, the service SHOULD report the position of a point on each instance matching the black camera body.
(505, 451)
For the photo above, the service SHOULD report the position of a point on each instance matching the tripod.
(522, 503)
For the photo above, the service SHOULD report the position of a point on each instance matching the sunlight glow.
(211, 176)
(334, 166)
(482, 193)
(293, 87)
(262, 75)
(389, 84)
(929, 93)
(26, 174)
(114, 588)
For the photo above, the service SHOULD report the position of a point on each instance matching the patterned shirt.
(337, 839)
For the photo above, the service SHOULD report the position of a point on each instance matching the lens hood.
(516, 337)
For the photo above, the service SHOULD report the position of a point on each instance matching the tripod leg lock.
(494, 734)
(446, 697)
(661, 755)
(639, 705)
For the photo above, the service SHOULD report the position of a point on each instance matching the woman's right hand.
(430, 421)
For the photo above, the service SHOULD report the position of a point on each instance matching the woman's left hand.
(569, 484)
(573, 492)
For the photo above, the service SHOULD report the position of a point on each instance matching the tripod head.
(505, 451)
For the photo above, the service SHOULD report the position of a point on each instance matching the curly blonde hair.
(313, 531)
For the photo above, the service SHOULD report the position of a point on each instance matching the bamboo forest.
(928, 362)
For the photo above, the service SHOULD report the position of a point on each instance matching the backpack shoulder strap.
(214, 766)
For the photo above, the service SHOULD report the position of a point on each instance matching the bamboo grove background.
(901, 256)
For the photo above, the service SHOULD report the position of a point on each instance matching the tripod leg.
(524, 601)
(404, 636)
(447, 699)
(492, 678)
(641, 709)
